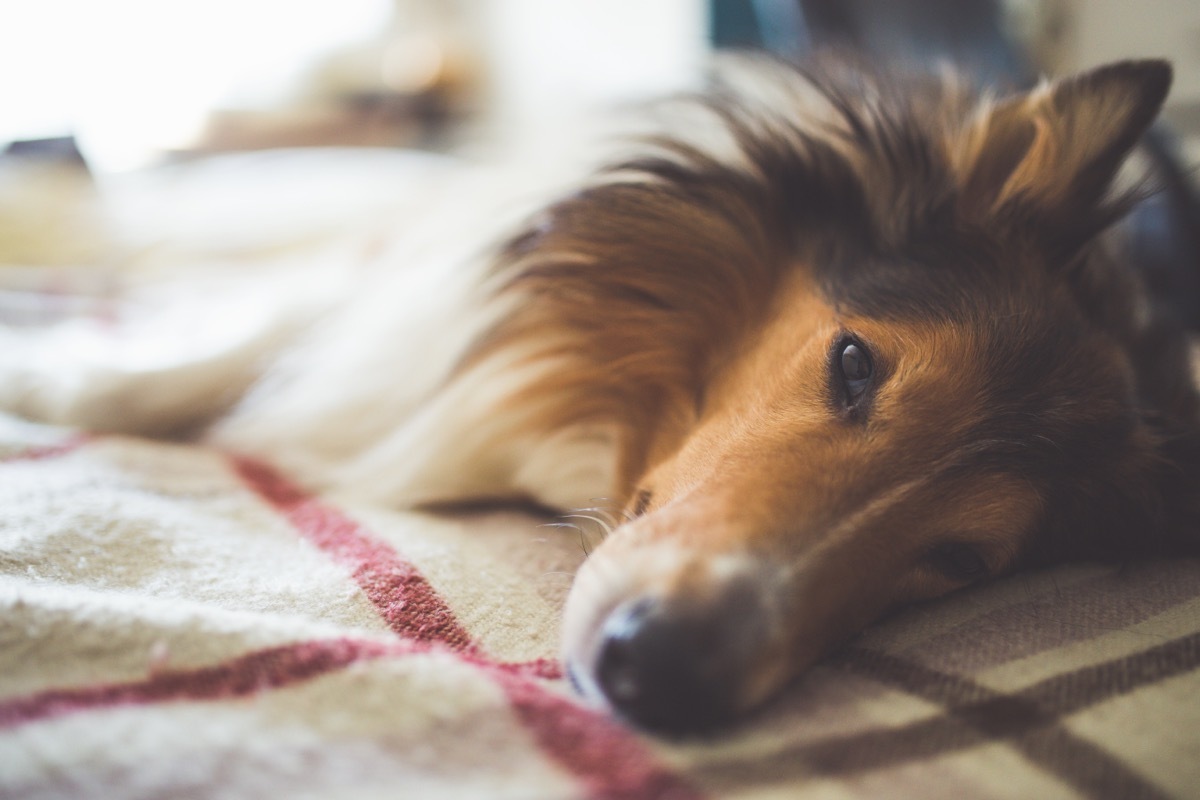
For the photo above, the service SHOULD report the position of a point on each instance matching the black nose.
(670, 669)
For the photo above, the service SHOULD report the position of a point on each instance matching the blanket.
(184, 622)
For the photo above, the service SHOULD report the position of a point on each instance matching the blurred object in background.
(1010, 40)
(48, 212)
(135, 79)
(401, 83)
(93, 90)
(547, 63)
(50, 227)
(126, 125)
(969, 33)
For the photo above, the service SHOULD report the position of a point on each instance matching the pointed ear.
(1052, 153)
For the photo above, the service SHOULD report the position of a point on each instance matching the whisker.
(610, 519)
(583, 542)
(612, 509)
(605, 526)
(617, 516)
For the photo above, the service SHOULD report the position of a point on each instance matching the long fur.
(667, 335)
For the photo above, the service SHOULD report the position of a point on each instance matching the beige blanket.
(178, 622)
(181, 622)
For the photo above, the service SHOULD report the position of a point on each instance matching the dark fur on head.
(910, 201)
(1023, 402)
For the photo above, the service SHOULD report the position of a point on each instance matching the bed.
(184, 621)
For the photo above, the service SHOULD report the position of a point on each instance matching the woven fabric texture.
(176, 621)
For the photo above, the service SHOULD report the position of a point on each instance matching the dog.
(840, 342)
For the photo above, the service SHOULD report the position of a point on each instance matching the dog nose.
(669, 669)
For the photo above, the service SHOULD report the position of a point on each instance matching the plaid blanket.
(183, 622)
(177, 621)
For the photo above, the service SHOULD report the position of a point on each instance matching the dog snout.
(666, 670)
(679, 664)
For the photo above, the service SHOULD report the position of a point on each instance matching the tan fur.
(669, 337)
(689, 329)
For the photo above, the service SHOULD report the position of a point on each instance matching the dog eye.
(958, 561)
(856, 369)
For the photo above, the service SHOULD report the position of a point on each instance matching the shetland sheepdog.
(839, 342)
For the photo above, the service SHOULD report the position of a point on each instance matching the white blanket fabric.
(178, 621)
(181, 622)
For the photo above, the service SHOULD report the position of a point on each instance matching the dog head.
(864, 350)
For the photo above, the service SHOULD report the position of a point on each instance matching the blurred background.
(132, 80)
(141, 137)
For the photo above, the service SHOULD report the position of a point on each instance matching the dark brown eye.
(958, 561)
(855, 365)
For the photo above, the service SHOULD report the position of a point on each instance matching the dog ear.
(1051, 154)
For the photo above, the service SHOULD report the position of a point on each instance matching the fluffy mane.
(625, 298)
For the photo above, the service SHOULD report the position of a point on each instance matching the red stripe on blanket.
(405, 600)
(274, 668)
(610, 762)
(47, 451)
(265, 669)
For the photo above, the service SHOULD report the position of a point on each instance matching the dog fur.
(677, 335)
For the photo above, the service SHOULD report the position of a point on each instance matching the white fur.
(332, 365)
(338, 367)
